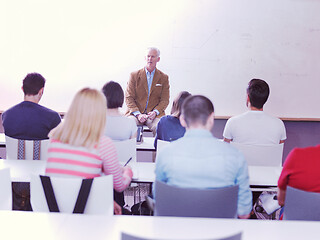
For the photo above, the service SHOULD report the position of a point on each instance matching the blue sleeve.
(56, 121)
(159, 134)
(245, 194)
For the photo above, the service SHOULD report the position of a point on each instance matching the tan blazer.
(137, 92)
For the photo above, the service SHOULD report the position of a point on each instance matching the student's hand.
(128, 171)
(142, 118)
(152, 115)
(116, 208)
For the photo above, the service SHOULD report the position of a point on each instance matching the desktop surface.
(33, 225)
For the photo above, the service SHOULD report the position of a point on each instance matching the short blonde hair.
(85, 120)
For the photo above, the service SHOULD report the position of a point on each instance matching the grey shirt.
(120, 128)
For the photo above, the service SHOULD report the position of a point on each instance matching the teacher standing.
(147, 93)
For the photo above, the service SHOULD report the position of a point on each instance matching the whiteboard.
(209, 47)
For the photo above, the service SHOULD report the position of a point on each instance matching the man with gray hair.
(147, 93)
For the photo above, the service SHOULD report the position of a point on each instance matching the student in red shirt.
(301, 170)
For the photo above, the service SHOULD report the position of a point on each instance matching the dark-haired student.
(169, 127)
(28, 120)
(199, 160)
(255, 126)
(118, 127)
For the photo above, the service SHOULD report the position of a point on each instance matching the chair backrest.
(161, 144)
(100, 200)
(126, 149)
(5, 190)
(261, 155)
(26, 149)
(126, 236)
(301, 205)
(192, 202)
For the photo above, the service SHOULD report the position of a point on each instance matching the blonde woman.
(78, 148)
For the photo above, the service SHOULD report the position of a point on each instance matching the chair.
(192, 202)
(261, 155)
(161, 144)
(5, 190)
(26, 149)
(126, 149)
(126, 236)
(100, 199)
(301, 205)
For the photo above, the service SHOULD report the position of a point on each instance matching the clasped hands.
(144, 117)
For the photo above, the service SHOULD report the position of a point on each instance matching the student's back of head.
(32, 83)
(258, 93)
(196, 110)
(85, 120)
(114, 94)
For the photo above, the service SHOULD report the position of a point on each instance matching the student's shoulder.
(301, 152)
(167, 118)
(274, 119)
(105, 141)
(237, 118)
(46, 110)
(14, 108)
(14, 111)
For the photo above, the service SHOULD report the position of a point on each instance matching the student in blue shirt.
(29, 120)
(169, 127)
(199, 160)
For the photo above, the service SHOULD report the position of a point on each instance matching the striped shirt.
(65, 160)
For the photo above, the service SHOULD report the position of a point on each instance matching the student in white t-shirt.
(255, 126)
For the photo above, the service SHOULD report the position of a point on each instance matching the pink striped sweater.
(65, 160)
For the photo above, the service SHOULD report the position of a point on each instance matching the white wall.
(211, 47)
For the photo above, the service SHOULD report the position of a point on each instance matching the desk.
(259, 175)
(146, 145)
(143, 172)
(21, 170)
(32, 225)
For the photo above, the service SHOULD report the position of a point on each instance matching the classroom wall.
(209, 47)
